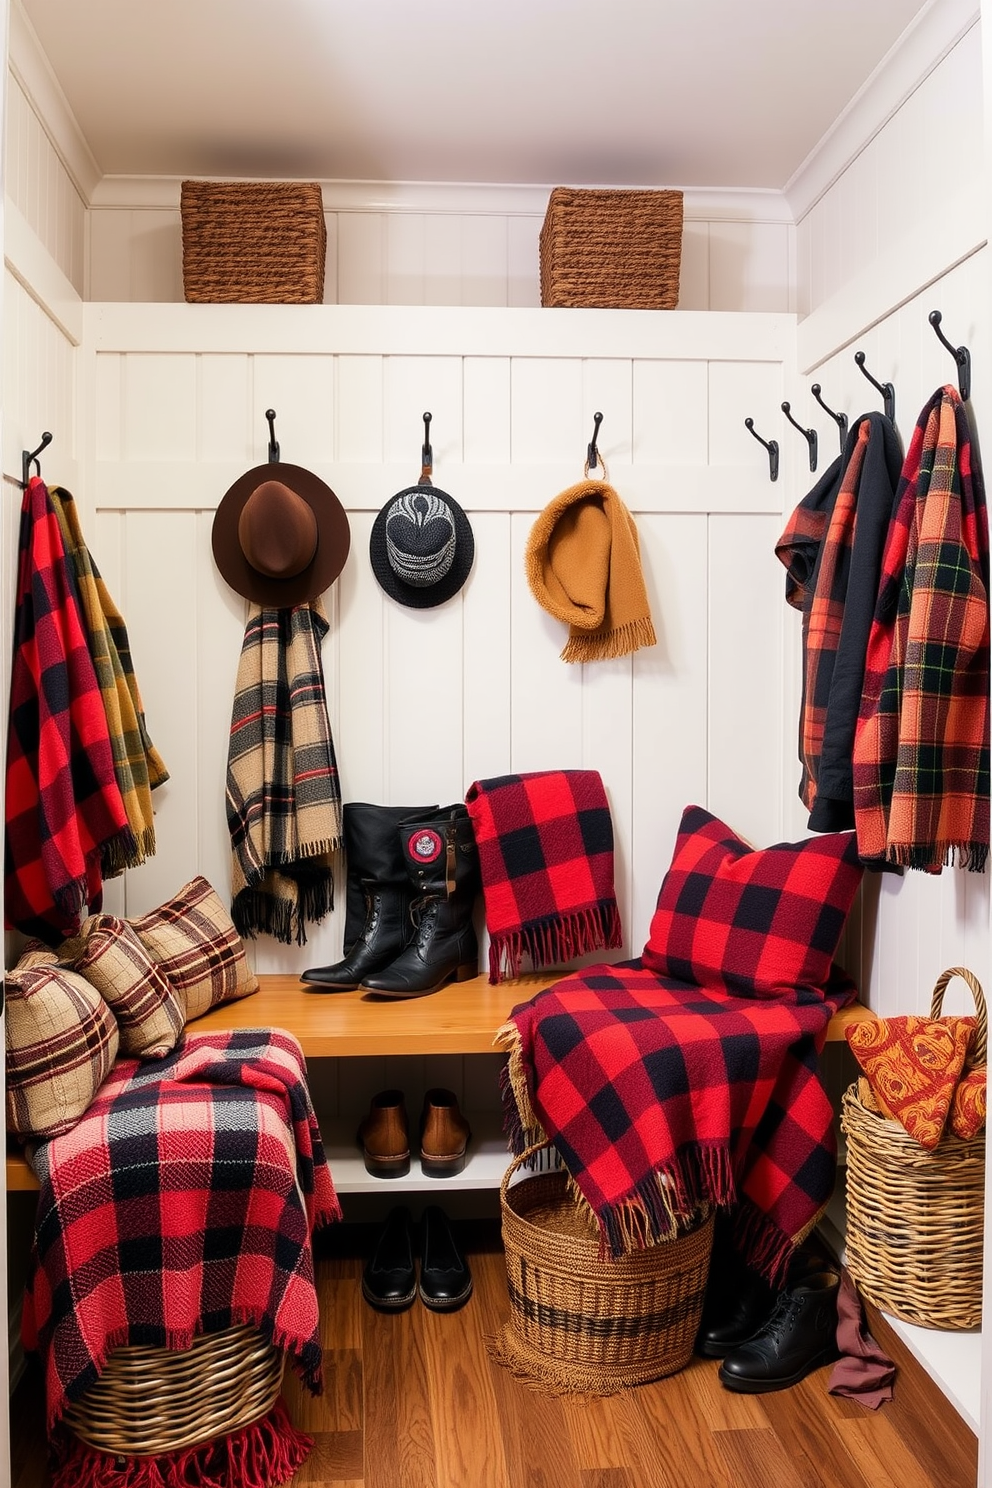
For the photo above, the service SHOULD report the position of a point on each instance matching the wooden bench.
(462, 1018)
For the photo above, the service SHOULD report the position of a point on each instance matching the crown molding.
(161, 193)
(31, 69)
(922, 47)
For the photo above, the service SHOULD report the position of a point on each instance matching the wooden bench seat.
(462, 1018)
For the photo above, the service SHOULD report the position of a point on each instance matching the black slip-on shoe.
(445, 1279)
(389, 1281)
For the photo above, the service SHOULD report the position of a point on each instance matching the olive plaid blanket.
(63, 808)
(921, 750)
(660, 1097)
(182, 1203)
(283, 791)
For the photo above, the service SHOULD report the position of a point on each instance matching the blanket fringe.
(520, 1124)
(120, 854)
(555, 939)
(266, 1452)
(603, 646)
(930, 858)
(762, 1245)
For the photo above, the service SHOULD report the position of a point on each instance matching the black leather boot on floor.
(800, 1336)
(738, 1304)
(442, 864)
(389, 1281)
(377, 878)
(445, 1279)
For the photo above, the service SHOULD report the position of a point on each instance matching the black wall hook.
(426, 454)
(886, 389)
(270, 414)
(808, 434)
(28, 455)
(840, 419)
(961, 355)
(592, 452)
(771, 445)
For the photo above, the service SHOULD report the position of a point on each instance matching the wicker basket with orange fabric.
(915, 1213)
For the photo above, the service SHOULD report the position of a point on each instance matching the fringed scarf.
(283, 793)
(64, 811)
(921, 750)
(546, 856)
(583, 563)
(137, 764)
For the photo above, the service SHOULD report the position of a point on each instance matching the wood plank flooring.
(414, 1401)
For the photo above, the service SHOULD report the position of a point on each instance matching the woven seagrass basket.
(150, 1401)
(915, 1218)
(252, 242)
(611, 249)
(579, 1322)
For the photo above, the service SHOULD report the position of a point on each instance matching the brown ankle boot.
(384, 1136)
(444, 1135)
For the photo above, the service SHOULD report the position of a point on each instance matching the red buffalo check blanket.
(182, 1203)
(660, 1097)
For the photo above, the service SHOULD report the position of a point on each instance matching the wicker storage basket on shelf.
(915, 1218)
(612, 249)
(253, 242)
(150, 1401)
(579, 1322)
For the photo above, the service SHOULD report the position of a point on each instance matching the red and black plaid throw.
(546, 856)
(63, 806)
(660, 1097)
(182, 1203)
(921, 750)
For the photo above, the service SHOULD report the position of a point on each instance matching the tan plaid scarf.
(283, 793)
(138, 767)
(584, 567)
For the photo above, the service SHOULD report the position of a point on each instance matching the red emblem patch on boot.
(425, 845)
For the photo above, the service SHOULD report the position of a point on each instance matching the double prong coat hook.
(808, 434)
(270, 414)
(592, 452)
(961, 355)
(29, 456)
(426, 454)
(840, 419)
(771, 445)
(886, 389)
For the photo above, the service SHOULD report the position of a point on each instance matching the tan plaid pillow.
(36, 953)
(62, 1039)
(194, 941)
(148, 1010)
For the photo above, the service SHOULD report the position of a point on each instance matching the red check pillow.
(751, 922)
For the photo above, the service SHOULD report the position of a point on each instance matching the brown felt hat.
(280, 535)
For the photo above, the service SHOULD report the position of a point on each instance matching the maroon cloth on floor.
(862, 1373)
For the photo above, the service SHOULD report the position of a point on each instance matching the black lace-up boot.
(800, 1336)
(377, 882)
(442, 864)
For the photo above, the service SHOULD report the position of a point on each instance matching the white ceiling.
(686, 93)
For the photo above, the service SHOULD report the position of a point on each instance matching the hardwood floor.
(414, 1401)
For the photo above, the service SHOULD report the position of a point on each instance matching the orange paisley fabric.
(914, 1066)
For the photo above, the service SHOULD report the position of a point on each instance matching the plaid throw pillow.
(749, 922)
(198, 950)
(149, 1013)
(62, 1039)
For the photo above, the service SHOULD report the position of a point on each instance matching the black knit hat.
(421, 546)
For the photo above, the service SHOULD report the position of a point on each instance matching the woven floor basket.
(253, 242)
(612, 249)
(915, 1218)
(150, 1401)
(581, 1323)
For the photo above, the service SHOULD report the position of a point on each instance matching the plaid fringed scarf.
(137, 764)
(64, 812)
(183, 1202)
(546, 856)
(921, 751)
(283, 793)
(661, 1097)
(832, 551)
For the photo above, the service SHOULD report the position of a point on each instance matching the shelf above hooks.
(771, 445)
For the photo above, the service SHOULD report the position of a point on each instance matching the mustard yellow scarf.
(583, 563)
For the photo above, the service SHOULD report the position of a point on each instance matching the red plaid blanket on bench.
(660, 1097)
(183, 1202)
